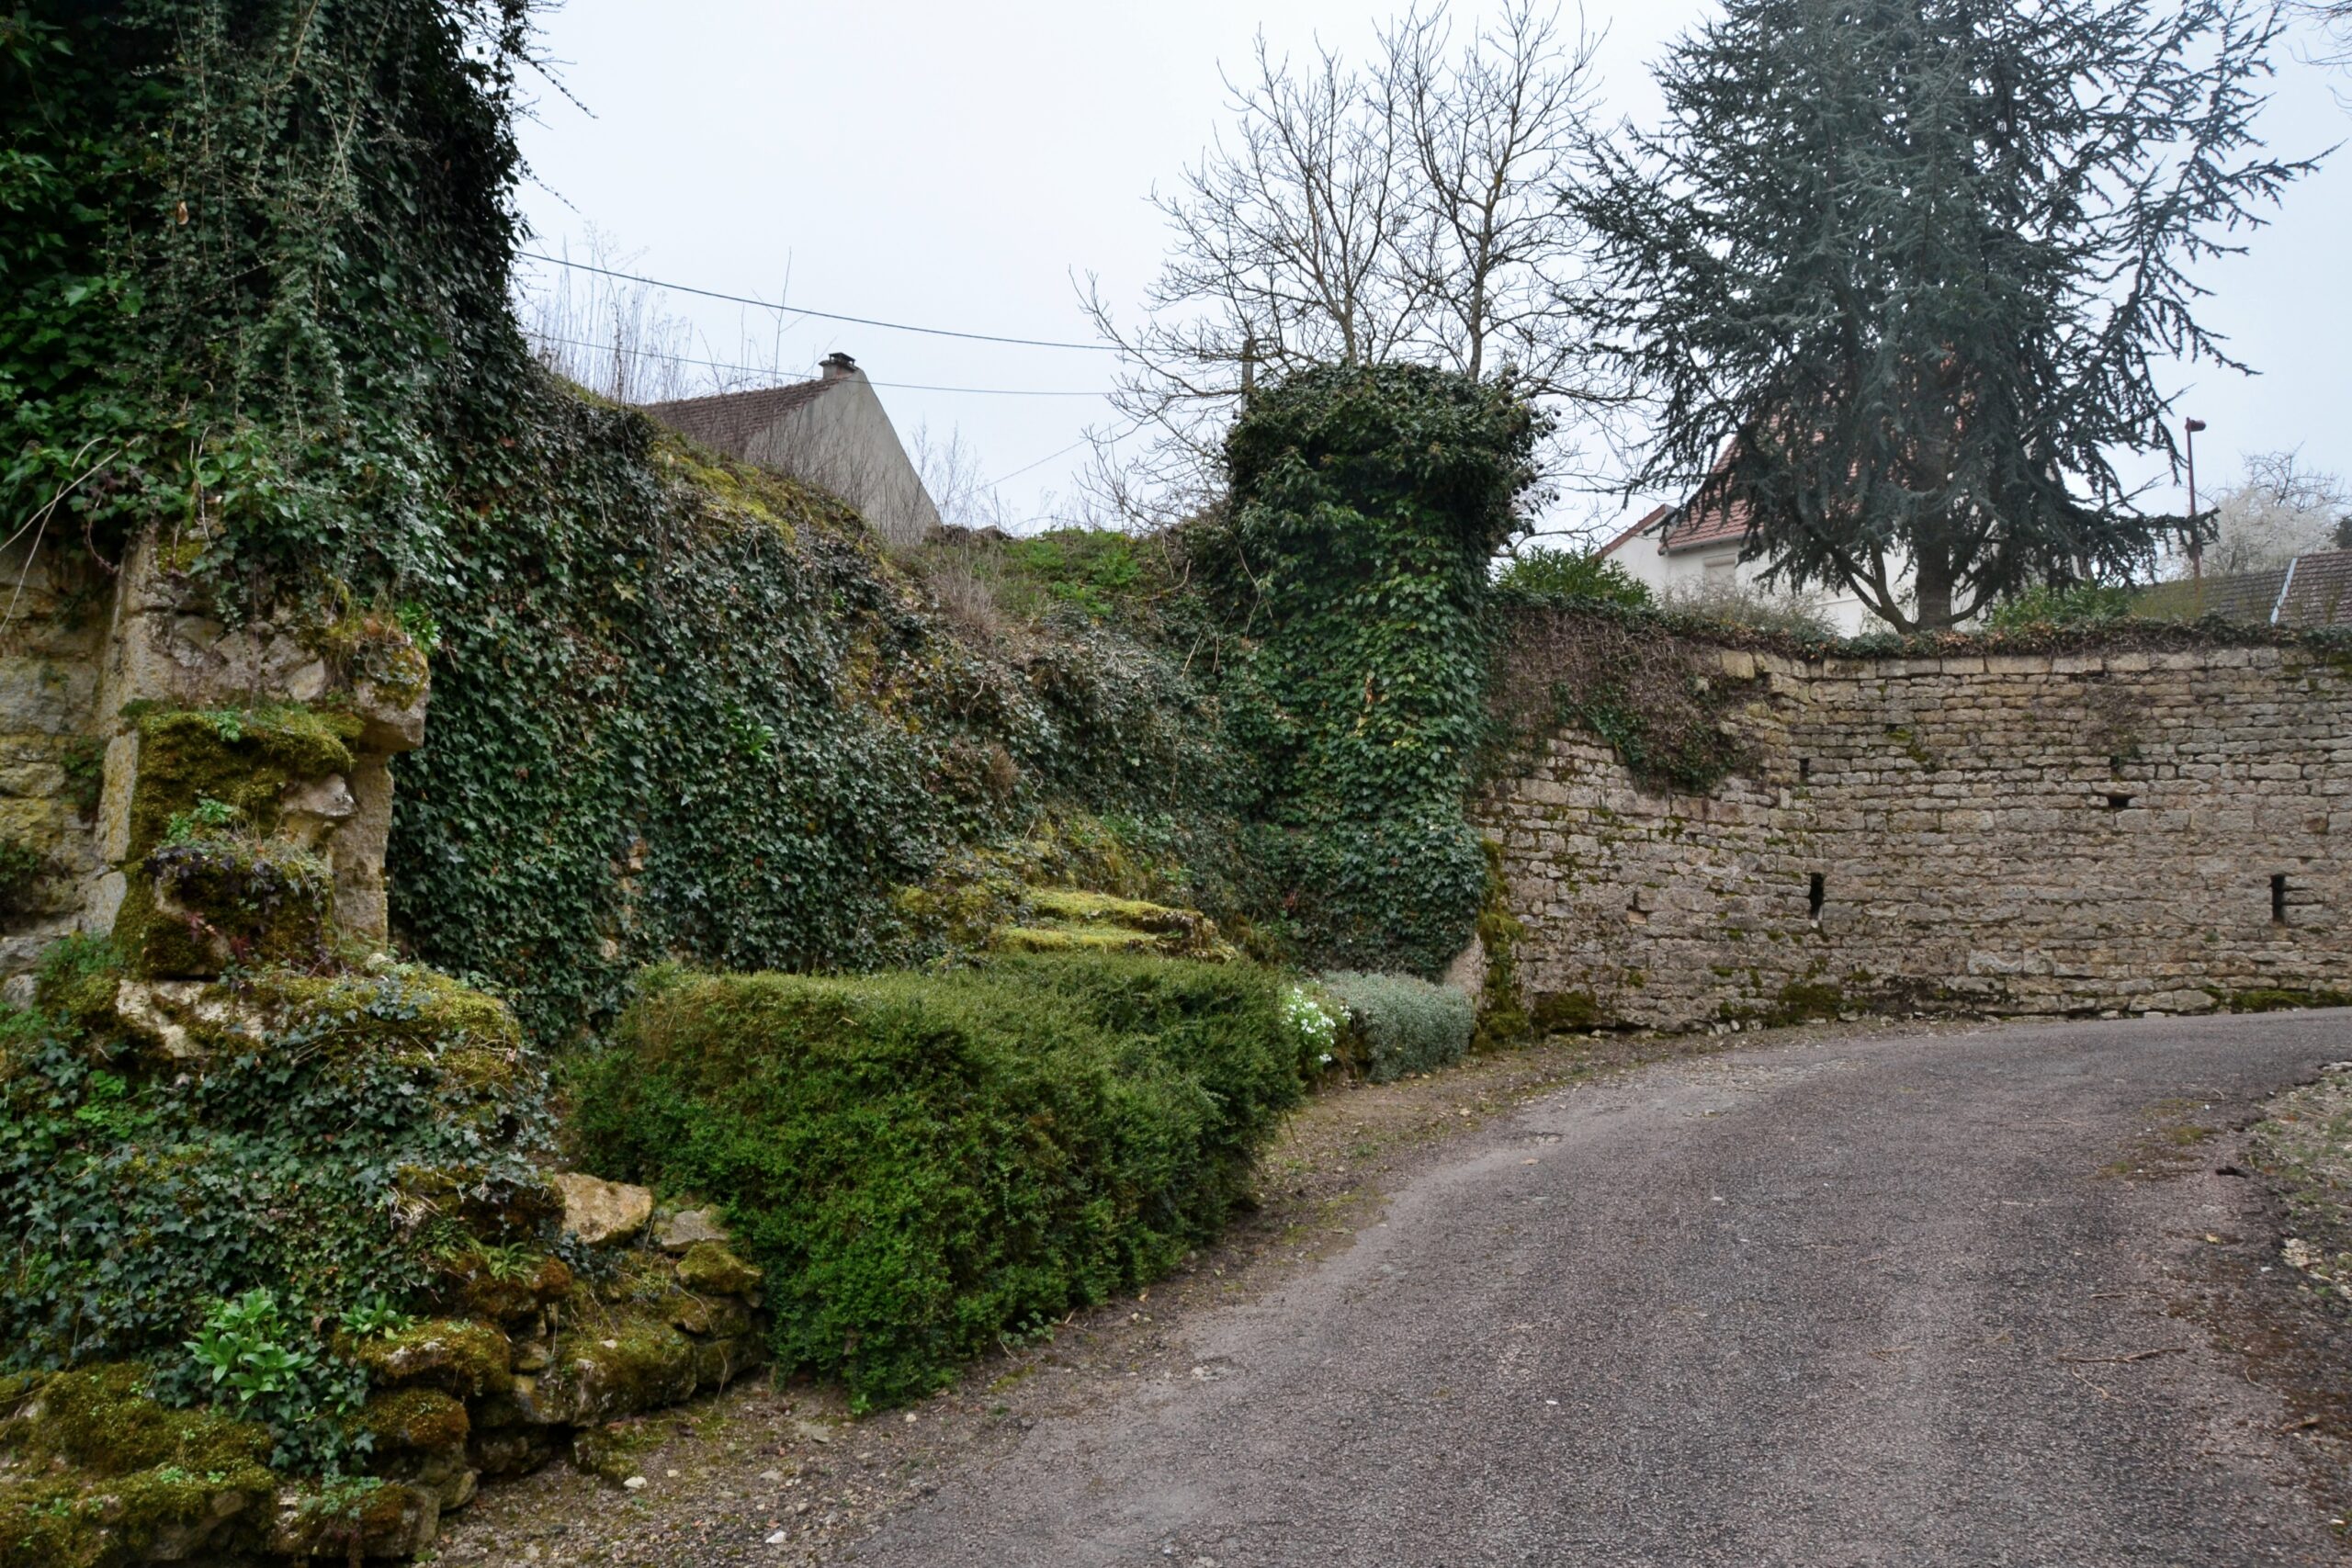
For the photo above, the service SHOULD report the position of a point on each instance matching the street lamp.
(2196, 545)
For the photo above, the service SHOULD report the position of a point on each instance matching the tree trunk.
(1931, 575)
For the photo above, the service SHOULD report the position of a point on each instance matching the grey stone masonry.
(2126, 831)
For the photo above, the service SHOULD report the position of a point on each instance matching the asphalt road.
(1862, 1303)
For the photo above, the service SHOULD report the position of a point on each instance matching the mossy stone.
(710, 1267)
(618, 1370)
(453, 1354)
(414, 1420)
(115, 1477)
(1557, 1010)
(244, 760)
(231, 898)
(1075, 939)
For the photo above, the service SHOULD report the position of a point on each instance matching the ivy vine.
(1352, 575)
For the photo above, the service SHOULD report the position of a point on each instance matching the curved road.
(1871, 1301)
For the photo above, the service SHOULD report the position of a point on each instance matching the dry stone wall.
(52, 639)
(85, 648)
(2119, 830)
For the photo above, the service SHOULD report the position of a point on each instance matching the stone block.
(603, 1214)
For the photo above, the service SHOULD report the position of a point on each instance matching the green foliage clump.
(2076, 604)
(212, 1206)
(1542, 573)
(1088, 568)
(252, 253)
(1350, 575)
(1402, 1025)
(923, 1164)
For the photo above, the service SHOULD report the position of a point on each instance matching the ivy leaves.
(1353, 573)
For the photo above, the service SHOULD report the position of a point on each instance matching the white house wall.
(1670, 575)
(844, 442)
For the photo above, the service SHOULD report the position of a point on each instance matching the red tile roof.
(1649, 520)
(1684, 530)
(1720, 524)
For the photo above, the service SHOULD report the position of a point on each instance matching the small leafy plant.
(207, 816)
(243, 1347)
(375, 1318)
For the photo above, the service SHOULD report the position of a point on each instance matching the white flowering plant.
(1311, 1023)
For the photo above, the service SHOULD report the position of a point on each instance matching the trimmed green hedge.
(1401, 1024)
(926, 1164)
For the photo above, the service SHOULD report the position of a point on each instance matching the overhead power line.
(1131, 426)
(773, 370)
(821, 315)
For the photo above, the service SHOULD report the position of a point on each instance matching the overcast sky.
(953, 165)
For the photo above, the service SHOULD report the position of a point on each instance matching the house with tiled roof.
(1691, 553)
(831, 432)
(2313, 589)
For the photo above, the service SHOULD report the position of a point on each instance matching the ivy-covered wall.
(683, 710)
(258, 258)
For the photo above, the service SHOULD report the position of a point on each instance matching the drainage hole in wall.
(2117, 802)
(1816, 893)
(2278, 900)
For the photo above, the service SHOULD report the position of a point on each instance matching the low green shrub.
(2076, 604)
(927, 1163)
(1544, 574)
(1399, 1024)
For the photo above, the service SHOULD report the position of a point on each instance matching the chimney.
(838, 365)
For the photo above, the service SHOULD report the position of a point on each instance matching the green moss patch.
(1062, 919)
(243, 758)
(457, 1355)
(922, 1164)
(214, 884)
(1807, 1002)
(712, 1267)
(227, 898)
(414, 1420)
(1557, 1012)
(2281, 999)
(93, 1472)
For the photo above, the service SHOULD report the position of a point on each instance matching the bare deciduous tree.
(950, 467)
(2278, 510)
(616, 337)
(1408, 210)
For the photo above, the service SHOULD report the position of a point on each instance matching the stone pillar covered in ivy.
(1350, 573)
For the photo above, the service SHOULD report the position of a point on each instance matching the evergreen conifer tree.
(1902, 274)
